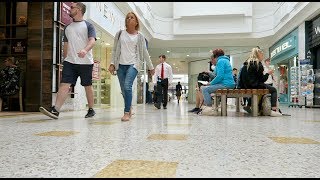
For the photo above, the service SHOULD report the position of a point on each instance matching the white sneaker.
(208, 111)
(275, 113)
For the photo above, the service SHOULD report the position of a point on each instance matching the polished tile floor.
(160, 143)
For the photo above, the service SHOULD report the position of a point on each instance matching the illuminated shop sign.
(282, 47)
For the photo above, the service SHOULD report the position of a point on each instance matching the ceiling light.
(188, 55)
(107, 44)
(168, 51)
(97, 37)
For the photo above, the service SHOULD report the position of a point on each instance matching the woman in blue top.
(223, 80)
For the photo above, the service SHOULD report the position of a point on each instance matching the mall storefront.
(313, 54)
(283, 55)
(107, 20)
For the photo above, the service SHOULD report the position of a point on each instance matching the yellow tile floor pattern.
(103, 123)
(179, 125)
(177, 137)
(312, 121)
(35, 121)
(57, 133)
(294, 140)
(139, 169)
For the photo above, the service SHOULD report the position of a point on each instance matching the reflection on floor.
(160, 143)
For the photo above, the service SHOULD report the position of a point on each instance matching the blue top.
(223, 72)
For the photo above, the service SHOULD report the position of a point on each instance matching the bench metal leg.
(0, 104)
(224, 105)
(215, 103)
(254, 105)
(237, 104)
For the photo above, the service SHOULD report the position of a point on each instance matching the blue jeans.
(126, 75)
(207, 90)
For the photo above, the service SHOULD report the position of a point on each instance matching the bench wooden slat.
(238, 93)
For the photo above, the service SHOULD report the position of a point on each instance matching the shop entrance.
(283, 82)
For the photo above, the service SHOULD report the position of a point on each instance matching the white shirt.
(77, 35)
(269, 80)
(167, 72)
(128, 53)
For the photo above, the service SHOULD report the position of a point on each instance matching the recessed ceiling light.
(168, 51)
(188, 55)
(97, 37)
(107, 44)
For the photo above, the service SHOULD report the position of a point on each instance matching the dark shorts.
(71, 72)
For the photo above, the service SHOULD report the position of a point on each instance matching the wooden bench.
(238, 93)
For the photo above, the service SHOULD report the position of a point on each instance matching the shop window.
(13, 31)
(60, 25)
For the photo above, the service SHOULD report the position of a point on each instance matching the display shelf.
(306, 82)
(294, 86)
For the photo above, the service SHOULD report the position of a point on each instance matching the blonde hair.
(253, 58)
(138, 25)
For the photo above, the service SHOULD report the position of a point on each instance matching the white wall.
(302, 41)
(191, 9)
(106, 15)
(239, 19)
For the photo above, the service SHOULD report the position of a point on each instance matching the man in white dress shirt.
(162, 79)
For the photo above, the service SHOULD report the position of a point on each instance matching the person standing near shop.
(162, 79)
(270, 81)
(79, 39)
(128, 53)
(9, 80)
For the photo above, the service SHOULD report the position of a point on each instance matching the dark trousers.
(162, 92)
(272, 91)
(148, 97)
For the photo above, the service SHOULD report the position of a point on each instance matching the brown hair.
(138, 25)
(163, 56)
(82, 7)
(217, 52)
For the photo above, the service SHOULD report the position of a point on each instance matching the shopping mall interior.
(169, 142)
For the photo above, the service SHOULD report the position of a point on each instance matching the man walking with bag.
(162, 79)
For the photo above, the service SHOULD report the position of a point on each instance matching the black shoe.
(199, 111)
(165, 107)
(194, 110)
(157, 106)
(52, 112)
(90, 113)
(247, 109)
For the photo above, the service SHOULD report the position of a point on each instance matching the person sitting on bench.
(252, 77)
(223, 80)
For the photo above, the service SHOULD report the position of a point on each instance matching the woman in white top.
(128, 54)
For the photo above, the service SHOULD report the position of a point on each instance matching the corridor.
(160, 143)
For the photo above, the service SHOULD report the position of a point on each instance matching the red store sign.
(64, 12)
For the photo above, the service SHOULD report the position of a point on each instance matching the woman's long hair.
(253, 58)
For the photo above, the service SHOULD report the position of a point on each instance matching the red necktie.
(162, 72)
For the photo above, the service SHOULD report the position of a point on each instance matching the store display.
(317, 87)
(294, 85)
(306, 82)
